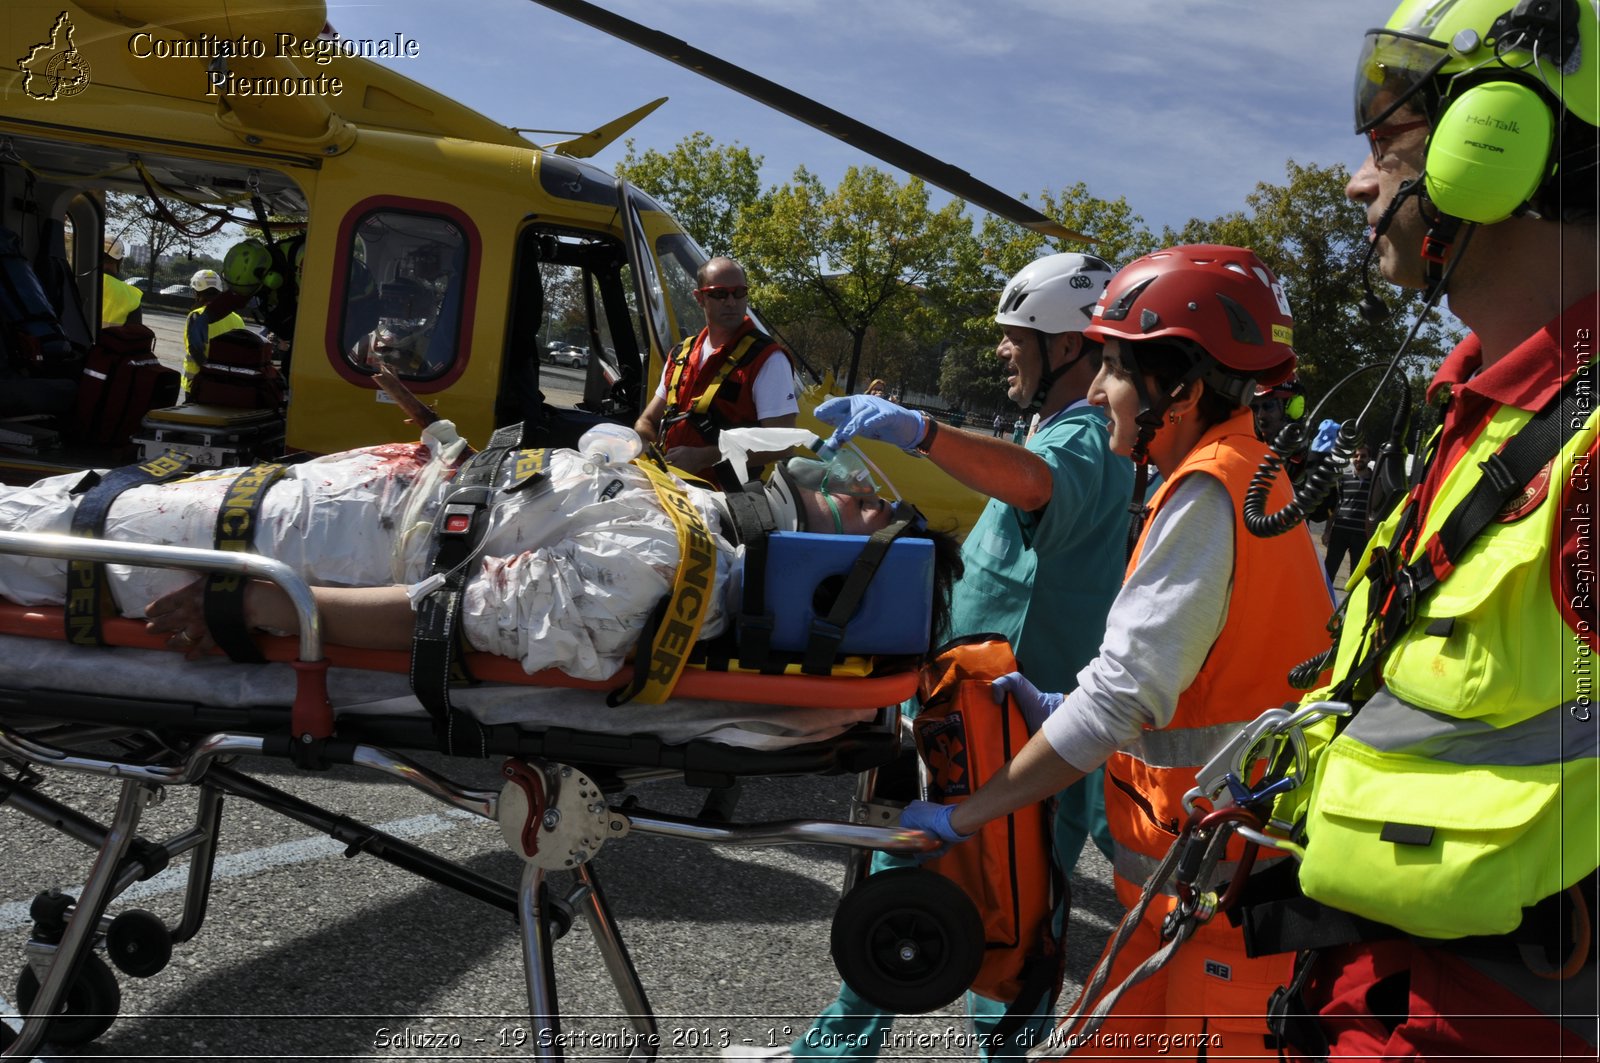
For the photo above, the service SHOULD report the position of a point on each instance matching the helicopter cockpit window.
(680, 260)
(403, 293)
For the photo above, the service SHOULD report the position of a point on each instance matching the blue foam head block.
(894, 616)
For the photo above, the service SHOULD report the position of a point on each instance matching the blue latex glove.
(870, 417)
(934, 819)
(1036, 705)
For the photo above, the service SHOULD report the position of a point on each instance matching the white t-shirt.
(1166, 618)
(774, 388)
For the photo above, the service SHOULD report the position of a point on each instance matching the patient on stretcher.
(565, 576)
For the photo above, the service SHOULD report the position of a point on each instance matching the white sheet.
(157, 674)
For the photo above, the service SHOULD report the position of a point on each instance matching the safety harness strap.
(828, 632)
(458, 532)
(677, 365)
(223, 601)
(674, 625)
(700, 413)
(1399, 589)
(752, 523)
(88, 592)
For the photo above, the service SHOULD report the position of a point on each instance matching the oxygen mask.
(845, 473)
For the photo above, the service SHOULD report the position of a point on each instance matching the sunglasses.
(720, 294)
(1380, 137)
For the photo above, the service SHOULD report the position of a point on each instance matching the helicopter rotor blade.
(874, 142)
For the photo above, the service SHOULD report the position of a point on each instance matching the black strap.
(1291, 1021)
(1398, 590)
(1040, 977)
(236, 530)
(752, 523)
(436, 649)
(828, 632)
(88, 592)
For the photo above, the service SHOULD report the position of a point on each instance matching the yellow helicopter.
(506, 282)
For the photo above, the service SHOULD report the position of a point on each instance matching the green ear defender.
(1295, 407)
(1490, 151)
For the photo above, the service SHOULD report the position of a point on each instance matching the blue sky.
(1182, 106)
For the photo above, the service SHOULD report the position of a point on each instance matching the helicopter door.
(576, 351)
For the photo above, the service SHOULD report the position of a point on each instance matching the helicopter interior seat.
(39, 362)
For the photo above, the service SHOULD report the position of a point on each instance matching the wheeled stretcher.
(138, 714)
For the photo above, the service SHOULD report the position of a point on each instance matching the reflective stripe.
(1556, 735)
(1181, 747)
(1137, 869)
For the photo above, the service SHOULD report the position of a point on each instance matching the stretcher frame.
(551, 801)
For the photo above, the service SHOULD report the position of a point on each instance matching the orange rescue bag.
(963, 738)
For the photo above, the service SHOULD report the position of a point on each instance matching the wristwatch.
(929, 430)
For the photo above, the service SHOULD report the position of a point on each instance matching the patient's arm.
(378, 618)
(414, 408)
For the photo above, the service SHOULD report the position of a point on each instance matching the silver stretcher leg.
(85, 919)
(630, 990)
(538, 964)
(208, 819)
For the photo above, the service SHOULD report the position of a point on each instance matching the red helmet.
(1222, 298)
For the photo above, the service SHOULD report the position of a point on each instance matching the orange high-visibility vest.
(1276, 617)
(704, 397)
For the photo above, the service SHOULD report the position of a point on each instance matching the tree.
(133, 220)
(970, 373)
(864, 254)
(706, 186)
(1315, 240)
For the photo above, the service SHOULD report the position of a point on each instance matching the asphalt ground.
(307, 954)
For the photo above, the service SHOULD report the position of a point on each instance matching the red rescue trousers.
(1400, 999)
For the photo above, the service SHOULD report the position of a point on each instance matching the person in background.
(877, 387)
(1200, 639)
(1041, 566)
(999, 425)
(207, 286)
(1019, 430)
(730, 375)
(119, 300)
(1348, 531)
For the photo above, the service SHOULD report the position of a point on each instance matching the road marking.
(15, 914)
(13, 1019)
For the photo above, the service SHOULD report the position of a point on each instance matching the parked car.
(574, 357)
(141, 283)
(175, 289)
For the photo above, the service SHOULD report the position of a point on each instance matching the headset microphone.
(1371, 308)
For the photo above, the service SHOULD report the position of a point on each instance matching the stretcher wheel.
(907, 940)
(89, 1010)
(139, 943)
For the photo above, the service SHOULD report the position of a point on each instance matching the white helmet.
(113, 249)
(1054, 294)
(205, 278)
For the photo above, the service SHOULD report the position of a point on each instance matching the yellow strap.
(687, 603)
(703, 402)
(675, 370)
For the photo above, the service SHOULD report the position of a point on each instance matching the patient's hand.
(692, 459)
(181, 615)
